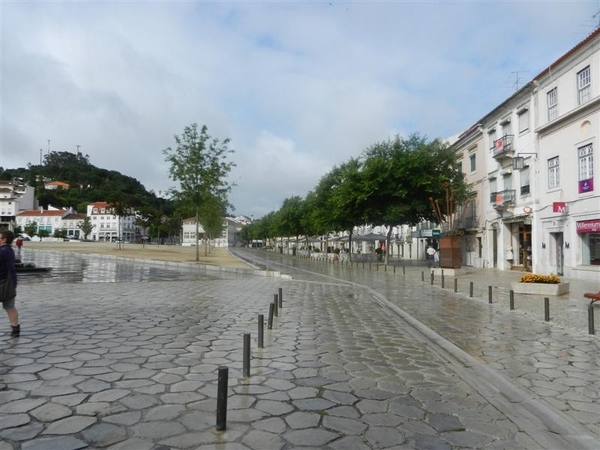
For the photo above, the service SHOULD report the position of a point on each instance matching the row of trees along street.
(392, 183)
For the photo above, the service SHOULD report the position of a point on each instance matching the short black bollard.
(276, 303)
(546, 309)
(403, 270)
(246, 356)
(223, 381)
(432, 277)
(591, 328)
(394, 269)
(385, 267)
(261, 331)
(280, 298)
(512, 300)
(442, 279)
(470, 289)
(489, 294)
(271, 313)
(422, 275)
(455, 285)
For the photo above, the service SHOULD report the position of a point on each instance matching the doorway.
(495, 248)
(559, 253)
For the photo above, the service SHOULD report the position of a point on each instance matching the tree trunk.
(197, 232)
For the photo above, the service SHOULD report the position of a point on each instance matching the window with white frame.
(506, 127)
(524, 174)
(552, 103)
(523, 120)
(584, 85)
(586, 162)
(553, 172)
(473, 162)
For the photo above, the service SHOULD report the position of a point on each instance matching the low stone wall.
(540, 288)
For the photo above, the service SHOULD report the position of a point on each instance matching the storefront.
(588, 232)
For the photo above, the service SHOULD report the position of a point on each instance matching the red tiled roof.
(592, 35)
(38, 213)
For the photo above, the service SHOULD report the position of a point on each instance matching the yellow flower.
(533, 278)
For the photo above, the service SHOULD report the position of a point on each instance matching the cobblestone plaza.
(356, 359)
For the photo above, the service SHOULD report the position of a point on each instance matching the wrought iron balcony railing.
(503, 146)
(502, 199)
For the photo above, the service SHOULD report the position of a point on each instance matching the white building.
(567, 209)
(535, 156)
(230, 235)
(108, 226)
(15, 196)
(48, 220)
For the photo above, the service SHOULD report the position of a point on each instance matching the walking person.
(19, 245)
(430, 255)
(8, 280)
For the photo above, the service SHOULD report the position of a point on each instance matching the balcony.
(503, 147)
(470, 223)
(503, 199)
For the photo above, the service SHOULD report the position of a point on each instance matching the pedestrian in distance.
(436, 259)
(430, 255)
(8, 280)
(19, 245)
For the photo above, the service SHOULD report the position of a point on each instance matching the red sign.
(559, 207)
(588, 226)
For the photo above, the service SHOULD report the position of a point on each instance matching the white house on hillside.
(15, 196)
(108, 226)
(232, 227)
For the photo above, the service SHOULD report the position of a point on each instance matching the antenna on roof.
(597, 17)
(517, 84)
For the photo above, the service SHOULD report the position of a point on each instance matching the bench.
(594, 298)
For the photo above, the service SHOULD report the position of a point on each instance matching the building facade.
(108, 226)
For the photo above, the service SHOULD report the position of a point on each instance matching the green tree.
(289, 217)
(86, 227)
(400, 176)
(43, 233)
(200, 164)
(31, 229)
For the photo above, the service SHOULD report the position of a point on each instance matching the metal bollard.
(489, 294)
(261, 331)
(271, 313)
(280, 298)
(442, 279)
(512, 300)
(403, 270)
(246, 356)
(422, 275)
(546, 309)
(470, 289)
(276, 303)
(455, 285)
(223, 381)
(432, 277)
(591, 328)
(394, 269)
(385, 267)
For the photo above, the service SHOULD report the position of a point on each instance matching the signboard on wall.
(588, 226)
(559, 207)
(586, 186)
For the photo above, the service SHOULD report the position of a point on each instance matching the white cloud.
(297, 86)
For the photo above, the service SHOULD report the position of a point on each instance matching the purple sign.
(586, 186)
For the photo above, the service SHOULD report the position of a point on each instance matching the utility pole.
(41, 152)
(48, 147)
(78, 152)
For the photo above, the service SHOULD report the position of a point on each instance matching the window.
(552, 102)
(553, 172)
(473, 162)
(586, 162)
(507, 179)
(506, 128)
(523, 120)
(584, 85)
(586, 168)
(525, 181)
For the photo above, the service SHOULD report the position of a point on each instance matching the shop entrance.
(525, 246)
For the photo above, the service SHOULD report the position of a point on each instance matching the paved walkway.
(354, 361)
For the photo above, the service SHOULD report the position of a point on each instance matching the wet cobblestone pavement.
(133, 365)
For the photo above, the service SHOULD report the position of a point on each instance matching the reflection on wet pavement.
(74, 268)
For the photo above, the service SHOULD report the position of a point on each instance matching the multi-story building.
(567, 207)
(15, 196)
(543, 212)
(109, 226)
(230, 235)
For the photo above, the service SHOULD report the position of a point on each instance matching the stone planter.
(540, 288)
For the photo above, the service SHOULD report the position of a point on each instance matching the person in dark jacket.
(7, 269)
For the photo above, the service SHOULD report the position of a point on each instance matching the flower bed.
(531, 283)
(544, 279)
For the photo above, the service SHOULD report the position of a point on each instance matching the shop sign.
(586, 186)
(588, 226)
(559, 207)
(435, 233)
(426, 233)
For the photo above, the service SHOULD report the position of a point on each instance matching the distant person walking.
(8, 280)
(430, 255)
(19, 244)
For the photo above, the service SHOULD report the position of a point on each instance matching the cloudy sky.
(298, 87)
